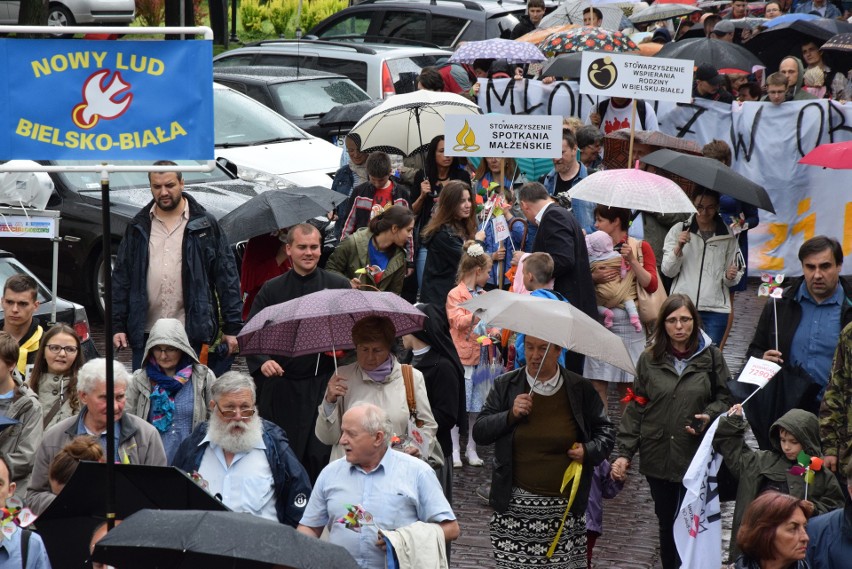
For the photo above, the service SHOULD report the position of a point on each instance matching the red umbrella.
(837, 155)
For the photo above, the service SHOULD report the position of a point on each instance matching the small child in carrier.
(618, 293)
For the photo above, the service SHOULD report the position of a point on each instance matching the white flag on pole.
(698, 526)
(758, 372)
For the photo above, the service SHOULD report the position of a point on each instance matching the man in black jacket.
(174, 262)
(560, 235)
(810, 315)
(529, 21)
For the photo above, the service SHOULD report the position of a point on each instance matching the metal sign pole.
(104, 170)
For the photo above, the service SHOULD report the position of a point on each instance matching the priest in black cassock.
(290, 390)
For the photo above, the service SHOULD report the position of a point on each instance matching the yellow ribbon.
(574, 471)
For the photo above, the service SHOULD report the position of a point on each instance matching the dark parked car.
(443, 23)
(301, 95)
(66, 312)
(77, 195)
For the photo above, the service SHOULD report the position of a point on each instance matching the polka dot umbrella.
(587, 39)
(322, 321)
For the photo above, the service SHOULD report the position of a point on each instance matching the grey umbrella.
(720, 54)
(193, 539)
(711, 174)
(276, 209)
(658, 12)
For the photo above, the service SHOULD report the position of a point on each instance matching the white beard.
(235, 436)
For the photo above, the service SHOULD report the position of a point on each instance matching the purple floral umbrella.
(322, 321)
(497, 48)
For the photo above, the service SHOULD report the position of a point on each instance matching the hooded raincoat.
(170, 332)
(760, 470)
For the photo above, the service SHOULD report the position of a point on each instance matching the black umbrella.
(66, 526)
(346, 116)
(190, 539)
(568, 65)
(276, 209)
(720, 54)
(711, 174)
(776, 43)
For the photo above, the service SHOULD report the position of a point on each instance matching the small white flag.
(758, 372)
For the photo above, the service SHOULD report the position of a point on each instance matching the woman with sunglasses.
(170, 390)
(54, 374)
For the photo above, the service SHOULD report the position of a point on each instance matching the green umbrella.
(534, 168)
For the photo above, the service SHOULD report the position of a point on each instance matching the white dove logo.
(100, 99)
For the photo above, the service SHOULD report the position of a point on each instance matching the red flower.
(608, 47)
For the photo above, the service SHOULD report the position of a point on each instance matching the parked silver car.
(76, 12)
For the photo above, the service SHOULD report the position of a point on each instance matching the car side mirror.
(227, 165)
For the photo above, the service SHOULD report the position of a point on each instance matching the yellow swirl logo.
(602, 73)
(466, 139)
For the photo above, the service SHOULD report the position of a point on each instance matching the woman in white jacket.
(701, 257)
(375, 378)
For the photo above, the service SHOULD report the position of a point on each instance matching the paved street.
(629, 540)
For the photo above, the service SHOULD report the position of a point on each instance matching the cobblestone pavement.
(629, 540)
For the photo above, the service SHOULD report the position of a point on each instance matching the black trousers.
(667, 497)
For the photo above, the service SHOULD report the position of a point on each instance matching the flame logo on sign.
(100, 99)
(466, 139)
(602, 73)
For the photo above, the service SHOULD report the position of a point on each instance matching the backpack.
(450, 83)
(640, 110)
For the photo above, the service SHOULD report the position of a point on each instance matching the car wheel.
(59, 15)
(99, 284)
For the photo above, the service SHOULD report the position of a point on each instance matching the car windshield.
(9, 267)
(316, 97)
(82, 181)
(241, 121)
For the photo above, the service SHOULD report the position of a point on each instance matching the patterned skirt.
(521, 536)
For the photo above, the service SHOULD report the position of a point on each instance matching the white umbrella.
(572, 13)
(633, 189)
(555, 321)
(657, 12)
(405, 124)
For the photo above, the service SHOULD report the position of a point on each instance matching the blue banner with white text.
(106, 100)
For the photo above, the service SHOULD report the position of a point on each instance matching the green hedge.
(281, 14)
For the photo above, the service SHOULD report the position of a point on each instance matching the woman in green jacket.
(679, 388)
(374, 257)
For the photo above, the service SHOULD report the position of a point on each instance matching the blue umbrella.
(787, 18)
(510, 50)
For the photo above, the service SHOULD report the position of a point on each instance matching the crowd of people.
(360, 447)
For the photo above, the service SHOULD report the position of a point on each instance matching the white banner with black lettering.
(767, 143)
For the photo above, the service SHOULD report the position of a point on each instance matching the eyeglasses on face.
(707, 208)
(234, 413)
(56, 348)
(166, 350)
(683, 320)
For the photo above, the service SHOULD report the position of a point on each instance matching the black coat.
(442, 265)
(789, 316)
(596, 432)
(210, 279)
(560, 235)
(442, 381)
(524, 26)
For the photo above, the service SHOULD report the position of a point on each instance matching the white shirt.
(244, 486)
(540, 213)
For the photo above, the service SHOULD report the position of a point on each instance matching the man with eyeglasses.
(20, 301)
(136, 441)
(245, 461)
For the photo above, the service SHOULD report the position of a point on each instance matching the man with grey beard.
(245, 461)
